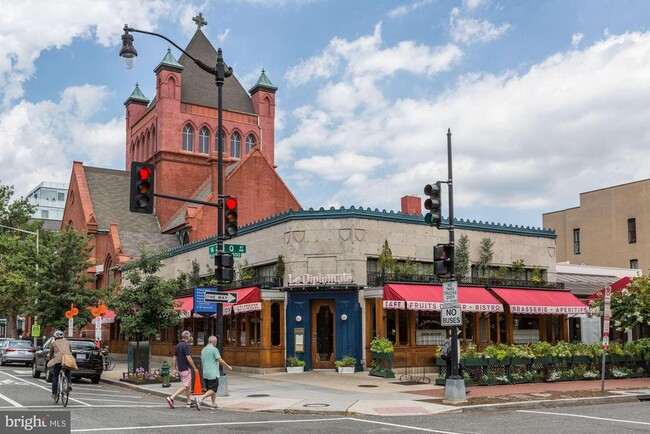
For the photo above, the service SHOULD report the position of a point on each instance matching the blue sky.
(545, 99)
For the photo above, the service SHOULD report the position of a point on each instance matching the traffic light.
(141, 196)
(433, 204)
(443, 257)
(224, 263)
(230, 209)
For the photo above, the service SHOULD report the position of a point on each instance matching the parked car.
(90, 363)
(17, 351)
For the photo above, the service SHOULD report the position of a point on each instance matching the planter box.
(543, 360)
(581, 359)
(442, 362)
(474, 361)
(385, 374)
(615, 358)
(495, 362)
(345, 369)
(521, 361)
(442, 381)
(295, 369)
(382, 365)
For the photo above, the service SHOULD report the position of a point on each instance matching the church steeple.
(137, 96)
(263, 83)
(169, 62)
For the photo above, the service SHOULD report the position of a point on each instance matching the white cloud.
(406, 9)
(470, 30)
(577, 118)
(472, 4)
(41, 139)
(338, 167)
(53, 26)
(576, 38)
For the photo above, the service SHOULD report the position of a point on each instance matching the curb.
(549, 403)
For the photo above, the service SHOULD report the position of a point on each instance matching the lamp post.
(37, 238)
(220, 72)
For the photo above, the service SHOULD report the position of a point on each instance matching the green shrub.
(347, 361)
(295, 362)
(542, 349)
(381, 345)
(562, 349)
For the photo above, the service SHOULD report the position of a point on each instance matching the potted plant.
(382, 357)
(542, 352)
(346, 365)
(295, 365)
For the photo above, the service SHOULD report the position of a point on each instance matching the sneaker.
(197, 402)
(190, 405)
(54, 396)
(69, 388)
(170, 401)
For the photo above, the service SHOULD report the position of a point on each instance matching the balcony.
(378, 279)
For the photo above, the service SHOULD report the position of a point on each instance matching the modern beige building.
(610, 227)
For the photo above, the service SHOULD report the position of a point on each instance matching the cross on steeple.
(200, 22)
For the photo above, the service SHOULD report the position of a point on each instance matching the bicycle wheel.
(65, 390)
(111, 363)
(58, 390)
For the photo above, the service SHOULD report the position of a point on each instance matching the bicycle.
(109, 361)
(63, 388)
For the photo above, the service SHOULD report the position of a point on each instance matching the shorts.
(211, 384)
(186, 377)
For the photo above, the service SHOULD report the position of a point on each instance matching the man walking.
(183, 357)
(210, 358)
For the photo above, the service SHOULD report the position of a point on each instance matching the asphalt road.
(107, 408)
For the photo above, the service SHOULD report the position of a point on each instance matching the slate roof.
(109, 192)
(179, 218)
(198, 87)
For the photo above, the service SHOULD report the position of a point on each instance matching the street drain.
(368, 385)
(261, 395)
(316, 405)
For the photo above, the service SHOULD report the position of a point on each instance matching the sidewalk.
(329, 392)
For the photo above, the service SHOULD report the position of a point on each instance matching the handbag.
(67, 360)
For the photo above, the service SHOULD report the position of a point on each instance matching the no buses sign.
(451, 316)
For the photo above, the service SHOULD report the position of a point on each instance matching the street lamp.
(37, 238)
(220, 71)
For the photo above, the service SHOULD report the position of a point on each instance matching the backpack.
(444, 350)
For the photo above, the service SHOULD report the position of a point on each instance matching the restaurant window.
(428, 330)
(468, 328)
(242, 329)
(553, 328)
(576, 241)
(498, 332)
(526, 329)
(275, 324)
(631, 231)
(230, 330)
(634, 263)
(397, 328)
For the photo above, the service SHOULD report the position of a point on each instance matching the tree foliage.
(17, 256)
(462, 257)
(64, 259)
(386, 262)
(629, 307)
(486, 254)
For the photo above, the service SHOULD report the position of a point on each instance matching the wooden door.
(323, 330)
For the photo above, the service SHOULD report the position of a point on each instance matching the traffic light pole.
(455, 384)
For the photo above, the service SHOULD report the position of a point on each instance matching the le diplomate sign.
(320, 279)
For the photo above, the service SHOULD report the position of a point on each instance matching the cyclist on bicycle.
(59, 347)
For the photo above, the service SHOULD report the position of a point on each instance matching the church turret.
(263, 98)
(136, 106)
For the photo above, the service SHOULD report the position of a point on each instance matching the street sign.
(449, 294)
(220, 297)
(36, 330)
(606, 316)
(200, 305)
(451, 316)
(235, 249)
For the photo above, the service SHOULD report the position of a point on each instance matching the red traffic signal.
(230, 208)
(141, 192)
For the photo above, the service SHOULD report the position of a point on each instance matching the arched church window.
(188, 138)
(235, 145)
(216, 142)
(250, 143)
(204, 141)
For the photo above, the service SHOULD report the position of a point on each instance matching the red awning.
(107, 318)
(540, 301)
(248, 300)
(429, 297)
(184, 306)
(617, 286)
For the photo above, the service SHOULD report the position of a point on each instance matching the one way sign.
(221, 297)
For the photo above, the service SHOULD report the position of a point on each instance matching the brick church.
(177, 132)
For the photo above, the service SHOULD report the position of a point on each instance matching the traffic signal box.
(141, 193)
(443, 257)
(433, 204)
(224, 263)
(230, 216)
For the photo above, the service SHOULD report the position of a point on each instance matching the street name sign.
(235, 250)
(220, 297)
(451, 316)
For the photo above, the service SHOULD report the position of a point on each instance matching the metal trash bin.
(222, 390)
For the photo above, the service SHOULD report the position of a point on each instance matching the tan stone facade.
(611, 226)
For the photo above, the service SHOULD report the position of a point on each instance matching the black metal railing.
(378, 279)
(262, 282)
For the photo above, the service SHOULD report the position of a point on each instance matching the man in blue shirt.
(210, 358)
(183, 356)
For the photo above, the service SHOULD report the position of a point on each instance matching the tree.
(386, 262)
(462, 257)
(17, 256)
(486, 255)
(190, 279)
(146, 305)
(245, 272)
(279, 269)
(64, 259)
(516, 269)
(630, 307)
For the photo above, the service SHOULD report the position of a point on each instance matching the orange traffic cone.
(197, 385)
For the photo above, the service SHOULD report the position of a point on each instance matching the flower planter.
(615, 358)
(542, 360)
(497, 362)
(346, 369)
(382, 365)
(441, 381)
(521, 361)
(473, 361)
(441, 362)
(581, 359)
(295, 369)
